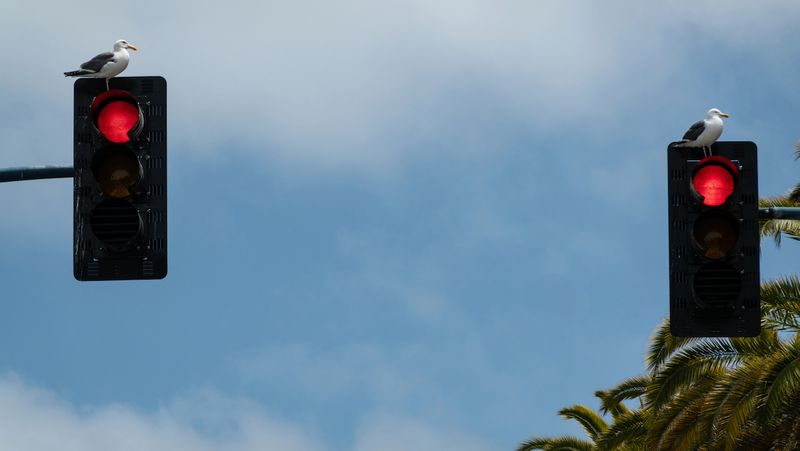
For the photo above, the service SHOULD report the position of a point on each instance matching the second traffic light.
(714, 241)
(120, 181)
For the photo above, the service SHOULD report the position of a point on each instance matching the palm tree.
(710, 393)
(593, 424)
(626, 433)
(730, 393)
(705, 393)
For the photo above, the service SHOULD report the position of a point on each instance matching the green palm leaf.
(608, 404)
(667, 424)
(628, 430)
(732, 401)
(563, 443)
(688, 366)
(794, 194)
(780, 302)
(662, 345)
(592, 423)
(631, 388)
(783, 380)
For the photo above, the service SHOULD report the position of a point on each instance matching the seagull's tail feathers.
(681, 143)
(78, 73)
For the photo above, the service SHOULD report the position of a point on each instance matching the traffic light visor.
(714, 179)
(117, 116)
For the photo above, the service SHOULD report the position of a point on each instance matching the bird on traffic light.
(106, 65)
(704, 133)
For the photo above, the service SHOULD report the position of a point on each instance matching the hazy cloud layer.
(367, 85)
(34, 419)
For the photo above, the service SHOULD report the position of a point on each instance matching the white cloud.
(36, 419)
(360, 84)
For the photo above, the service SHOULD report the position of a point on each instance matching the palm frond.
(794, 194)
(688, 366)
(783, 380)
(563, 443)
(662, 345)
(629, 429)
(592, 423)
(682, 409)
(776, 228)
(778, 201)
(609, 405)
(787, 429)
(753, 436)
(681, 430)
(731, 403)
(755, 347)
(797, 150)
(631, 388)
(780, 302)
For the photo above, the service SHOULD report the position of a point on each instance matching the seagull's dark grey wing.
(693, 132)
(97, 63)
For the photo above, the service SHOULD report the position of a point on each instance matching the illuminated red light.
(714, 180)
(117, 116)
(116, 119)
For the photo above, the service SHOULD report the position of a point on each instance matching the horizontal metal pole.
(779, 213)
(34, 173)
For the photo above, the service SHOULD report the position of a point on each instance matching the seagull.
(704, 133)
(106, 65)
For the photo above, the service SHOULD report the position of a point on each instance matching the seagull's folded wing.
(97, 63)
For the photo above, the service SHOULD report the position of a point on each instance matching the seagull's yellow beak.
(720, 114)
(133, 47)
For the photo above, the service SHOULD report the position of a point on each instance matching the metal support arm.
(34, 173)
(780, 213)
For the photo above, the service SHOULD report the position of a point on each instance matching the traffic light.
(714, 241)
(120, 181)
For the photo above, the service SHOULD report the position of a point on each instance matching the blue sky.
(393, 225)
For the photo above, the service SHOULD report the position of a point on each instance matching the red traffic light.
(117, 116)
(715, 179)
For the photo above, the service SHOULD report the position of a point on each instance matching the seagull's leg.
(107, 87)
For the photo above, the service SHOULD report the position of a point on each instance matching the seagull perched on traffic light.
(704, 133)
(106, 65)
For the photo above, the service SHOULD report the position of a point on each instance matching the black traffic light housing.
(714, 241)
(120, 181)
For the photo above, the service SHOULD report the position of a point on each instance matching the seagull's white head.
(713, 112)
(123, 44)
